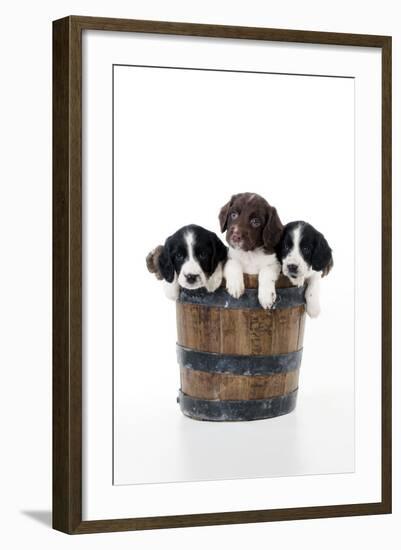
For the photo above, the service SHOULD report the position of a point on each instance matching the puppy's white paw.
(267, 297)
(296, 281)
(215, 280)
(312, 305)
(300, 282)
(235, 285)
(171, 290)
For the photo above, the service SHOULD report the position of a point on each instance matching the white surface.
(185, 141)
(26, 245)
(100, 497)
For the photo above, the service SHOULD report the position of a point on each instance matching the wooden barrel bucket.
(238, 361)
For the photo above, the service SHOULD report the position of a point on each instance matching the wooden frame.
(67, 313)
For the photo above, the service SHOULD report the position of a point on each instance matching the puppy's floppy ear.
(223, 215)
(165, 263)
(273, 230)
(152, 261)
(279, 246)
(321, 256)
(219, 251)
(328, 268)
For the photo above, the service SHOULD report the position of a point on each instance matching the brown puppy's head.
(250, 222)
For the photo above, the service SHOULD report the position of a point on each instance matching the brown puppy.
(253, 230)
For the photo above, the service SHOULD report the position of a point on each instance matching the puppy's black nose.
(191, 278)
(292, 268)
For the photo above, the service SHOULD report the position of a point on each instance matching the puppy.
(253, 230)
(305, 256)
(192, 258)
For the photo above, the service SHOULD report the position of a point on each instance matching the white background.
(26, 347)
(179, 156)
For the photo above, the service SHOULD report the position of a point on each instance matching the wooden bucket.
(237, 360)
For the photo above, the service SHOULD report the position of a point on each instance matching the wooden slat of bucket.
(286, 328)
(251, 281)
(237, 331)
(203, 385)
(301, 330)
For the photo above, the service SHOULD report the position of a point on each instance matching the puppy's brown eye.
(305, 249)
(179, 256)
(255, 222)
(202, 255)
(234, 215)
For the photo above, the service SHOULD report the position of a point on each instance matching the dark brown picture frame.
(67, 274)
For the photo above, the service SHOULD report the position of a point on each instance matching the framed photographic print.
(247, 377)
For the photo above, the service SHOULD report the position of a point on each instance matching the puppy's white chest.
(253, 261)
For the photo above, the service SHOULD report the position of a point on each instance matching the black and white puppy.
(192, 258)
(305, 257)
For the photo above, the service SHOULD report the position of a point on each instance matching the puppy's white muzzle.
(191, 276)
(296, 270)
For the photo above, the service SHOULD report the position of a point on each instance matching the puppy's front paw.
(296, 281)
(171, 290)
(267, 297)
(235, 286)
(312, 306)
(300, 282)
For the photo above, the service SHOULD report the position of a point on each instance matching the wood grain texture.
(231, 332)
(67, 279)
(205, 385)
(386, 273)
(228, 31)
(240, 331)
(251, 281)
(230, 518)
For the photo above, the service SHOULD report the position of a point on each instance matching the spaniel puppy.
(305, 256)
(253, 230)
(192, 258)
